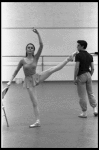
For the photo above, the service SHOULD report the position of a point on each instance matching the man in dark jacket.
(84, 69)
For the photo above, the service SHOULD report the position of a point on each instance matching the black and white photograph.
(49, 74)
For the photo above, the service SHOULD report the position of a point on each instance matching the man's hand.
(75, 81)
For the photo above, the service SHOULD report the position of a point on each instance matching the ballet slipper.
(74, 54)
(36, 124)
(83, 115)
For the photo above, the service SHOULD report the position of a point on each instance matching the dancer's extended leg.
(45, 74)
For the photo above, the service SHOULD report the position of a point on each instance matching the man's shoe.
(82, 116)
(95, 114)
(95, 111)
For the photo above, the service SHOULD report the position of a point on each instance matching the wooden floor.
(60, 125)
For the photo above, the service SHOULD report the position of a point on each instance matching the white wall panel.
(60, 25)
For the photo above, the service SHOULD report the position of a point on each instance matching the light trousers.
(84, 85)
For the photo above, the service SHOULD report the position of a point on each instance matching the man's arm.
(40, 44)
(76, 71)
(92, 68)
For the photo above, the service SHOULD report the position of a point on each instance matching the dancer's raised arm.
(40, 44)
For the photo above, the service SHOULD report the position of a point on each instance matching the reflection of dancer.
(82, 77)
(32, 79)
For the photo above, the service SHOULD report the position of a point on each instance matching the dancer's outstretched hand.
(35, 31)
(9, 83)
